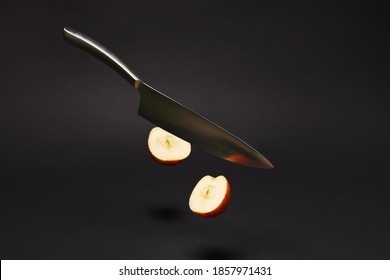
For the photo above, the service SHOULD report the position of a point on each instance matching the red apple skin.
(165, 162)
(221, 208)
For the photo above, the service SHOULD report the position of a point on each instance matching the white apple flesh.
(167, 148)
(210, 196)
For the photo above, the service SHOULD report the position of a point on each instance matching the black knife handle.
(103, 54)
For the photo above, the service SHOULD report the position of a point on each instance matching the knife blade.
(172, 116)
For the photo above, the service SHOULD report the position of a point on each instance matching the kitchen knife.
(171, 115)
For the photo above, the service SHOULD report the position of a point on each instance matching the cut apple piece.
(210, 196)
(167, 148)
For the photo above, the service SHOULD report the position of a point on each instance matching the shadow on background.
(165, 213)
(217, 253)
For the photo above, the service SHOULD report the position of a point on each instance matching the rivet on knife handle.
(100, 52)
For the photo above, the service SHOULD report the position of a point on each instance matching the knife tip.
(259, 161)
(263, 162)
(267, 164)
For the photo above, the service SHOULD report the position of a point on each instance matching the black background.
(306, 83)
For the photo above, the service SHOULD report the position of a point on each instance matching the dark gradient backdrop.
(306, 83)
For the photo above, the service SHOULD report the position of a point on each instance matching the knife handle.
(100, 52)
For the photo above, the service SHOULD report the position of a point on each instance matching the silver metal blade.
(184, 123)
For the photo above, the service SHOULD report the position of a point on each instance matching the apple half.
(166, 148)
(210, 196)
